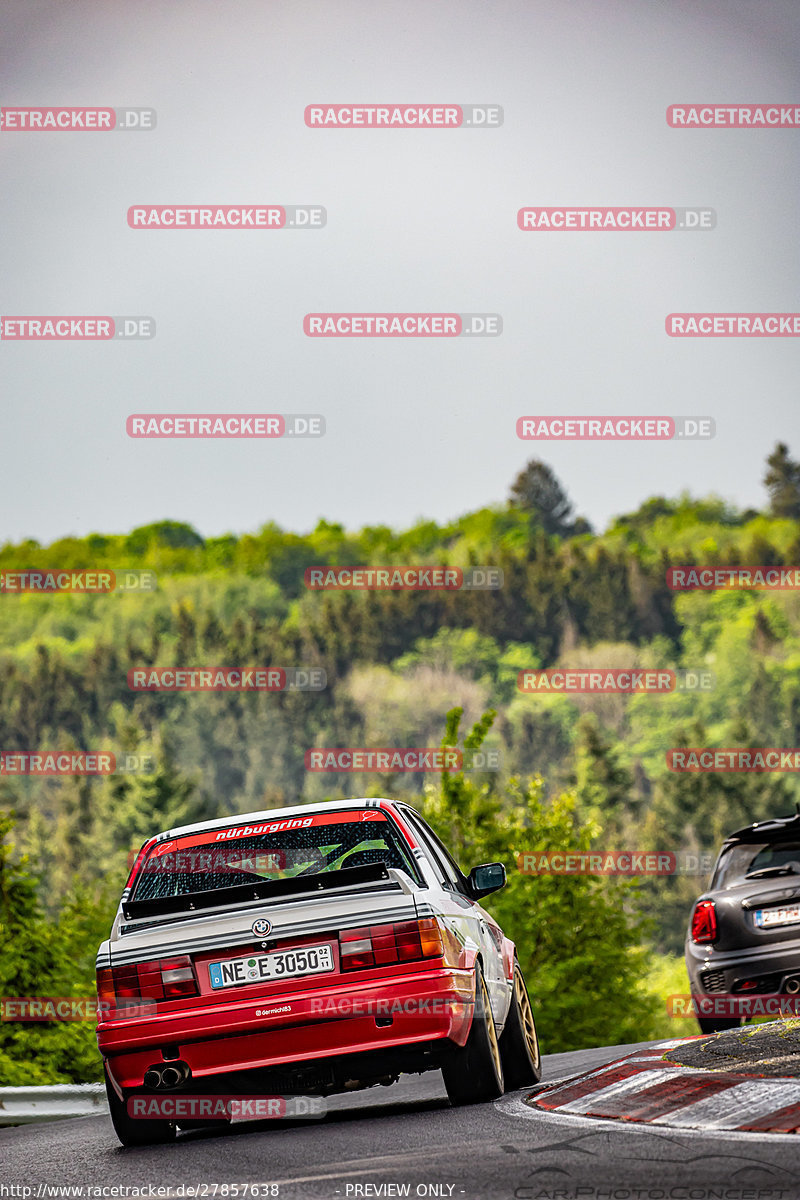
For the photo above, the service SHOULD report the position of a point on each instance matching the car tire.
(133, 1131)
(519, 1045)
(718, 1024)
(473, 1073)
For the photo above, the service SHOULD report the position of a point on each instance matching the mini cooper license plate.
(767, 917)
(280, 964)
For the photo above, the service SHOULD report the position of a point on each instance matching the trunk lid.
(758, 913)
(295, 923)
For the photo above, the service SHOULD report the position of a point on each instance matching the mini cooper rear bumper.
(721, 971)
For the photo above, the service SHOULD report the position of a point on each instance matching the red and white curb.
(644, 1089)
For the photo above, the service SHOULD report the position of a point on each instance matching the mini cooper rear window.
(756, 860)
(271, 851)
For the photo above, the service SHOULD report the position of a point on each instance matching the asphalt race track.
(409, 1135)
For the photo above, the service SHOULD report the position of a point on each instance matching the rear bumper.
(221, 1039)
(779, 959)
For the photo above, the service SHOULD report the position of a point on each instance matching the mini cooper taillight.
(704, 922)
(381, 945)
(131, 990)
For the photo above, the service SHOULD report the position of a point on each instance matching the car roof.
(275, 814)
(777, 828)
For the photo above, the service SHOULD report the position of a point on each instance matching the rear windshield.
(288, 849)
(740, 861)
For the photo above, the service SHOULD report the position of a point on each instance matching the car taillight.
(355, 948)
(380, 945)
(704, 922)
(105, 992)
(177, 977)
(120, 989)
(430, 937)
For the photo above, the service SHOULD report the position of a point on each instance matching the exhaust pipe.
(164, 1079)
(792, 986)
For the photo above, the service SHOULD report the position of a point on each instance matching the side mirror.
(489, 877)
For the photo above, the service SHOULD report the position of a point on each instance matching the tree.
(536, 490)
(603, 783)
(44, 958)
(576, 936)
(174, 534)
(782, 481)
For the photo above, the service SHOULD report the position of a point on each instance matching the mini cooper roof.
(273, 814)
(779, 828)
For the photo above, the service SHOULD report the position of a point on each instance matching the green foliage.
(782, 481)
(472, 655)
(666, 976)
(577, 937)
(173, 534)
(43, 957)
(537, 491)
(603, 781)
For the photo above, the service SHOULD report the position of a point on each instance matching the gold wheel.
(493, 1043)
(526, 1015)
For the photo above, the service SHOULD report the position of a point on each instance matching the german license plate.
(766, 918)
(280, 964)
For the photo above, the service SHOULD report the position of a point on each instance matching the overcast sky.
(417, 221)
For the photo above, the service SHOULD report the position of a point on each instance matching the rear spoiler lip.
(775, 829)
(264, 890)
